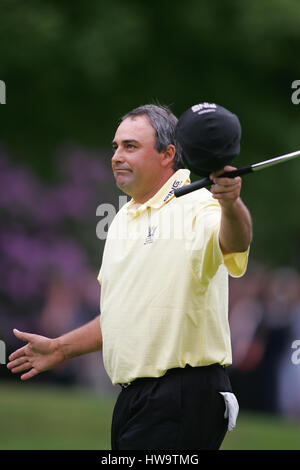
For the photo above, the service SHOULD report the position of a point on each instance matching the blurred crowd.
(65, 305)
(264, 317)
(48, 287)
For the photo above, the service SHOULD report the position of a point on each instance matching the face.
(139, 169)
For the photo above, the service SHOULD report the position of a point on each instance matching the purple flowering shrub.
(48, 233)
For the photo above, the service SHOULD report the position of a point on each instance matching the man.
(164, 295)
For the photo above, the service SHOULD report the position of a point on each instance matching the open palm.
(39, 354)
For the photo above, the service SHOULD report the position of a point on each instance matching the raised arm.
(236, 225)
(41, 353)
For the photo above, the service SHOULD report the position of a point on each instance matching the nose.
(117, 157)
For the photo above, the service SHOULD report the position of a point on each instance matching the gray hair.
(163, 122)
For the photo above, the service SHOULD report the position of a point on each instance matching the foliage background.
(72, 69)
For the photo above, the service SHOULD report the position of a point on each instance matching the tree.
(73, 68)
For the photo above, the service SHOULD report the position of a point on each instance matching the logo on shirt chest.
(150, 236)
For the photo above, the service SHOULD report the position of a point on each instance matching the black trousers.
(183, 410)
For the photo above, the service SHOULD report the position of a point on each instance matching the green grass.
(255, 431)
(40, 417)
(35, 417)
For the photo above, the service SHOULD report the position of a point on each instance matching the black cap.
(209, 136)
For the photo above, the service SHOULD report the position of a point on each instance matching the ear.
(167, 156)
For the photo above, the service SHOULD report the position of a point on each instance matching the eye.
(130, 146)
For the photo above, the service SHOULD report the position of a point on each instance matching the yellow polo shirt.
(164, 285)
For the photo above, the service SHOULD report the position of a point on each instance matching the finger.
(226, 168)
(25, 366)
(227, 195)
(225, 186)
(29, 374)
(23, 336)
(227, 181)
(18, 353)
(17, 362)
(217, 190)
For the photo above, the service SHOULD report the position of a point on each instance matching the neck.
(142, 198)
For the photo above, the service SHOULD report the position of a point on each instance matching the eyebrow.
(127, 141)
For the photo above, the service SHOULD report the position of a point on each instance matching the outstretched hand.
(39, 354)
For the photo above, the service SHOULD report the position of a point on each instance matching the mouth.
(121, 170)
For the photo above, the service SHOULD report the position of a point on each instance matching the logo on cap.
(204, 108)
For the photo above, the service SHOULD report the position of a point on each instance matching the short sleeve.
(207, 253)
(236, 263)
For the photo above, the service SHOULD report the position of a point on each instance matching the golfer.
(163, 326)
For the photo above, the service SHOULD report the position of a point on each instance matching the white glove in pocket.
(231, 410)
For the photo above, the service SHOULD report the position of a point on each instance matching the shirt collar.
(164, 194)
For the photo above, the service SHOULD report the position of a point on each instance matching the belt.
(137, 381)
(125, 385)
(144, 379)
